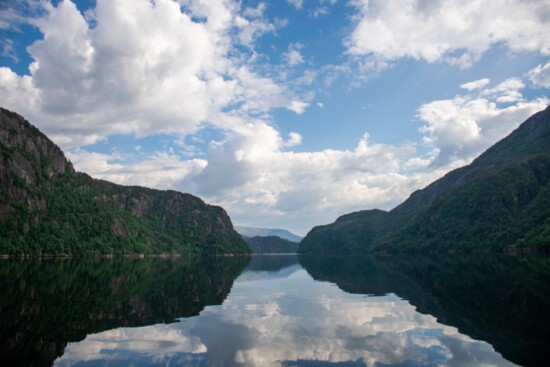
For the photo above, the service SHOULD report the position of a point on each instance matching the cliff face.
(500, 200)
(30, 163)
(48, 207)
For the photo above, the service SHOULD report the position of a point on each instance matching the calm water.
(276, 311)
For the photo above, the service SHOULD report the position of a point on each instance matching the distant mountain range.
(501, 201)
(264, 232)
(46, 207)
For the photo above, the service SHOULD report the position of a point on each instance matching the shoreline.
(112, 256)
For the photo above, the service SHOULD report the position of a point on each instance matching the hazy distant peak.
(263, 232)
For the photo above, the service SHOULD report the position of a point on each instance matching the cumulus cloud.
(140, 67)
(461, 128)
(453, 31)
(18, 92)
(298, 106)
(540, 75)
(252, 173)
(293, 140)
(162, 170)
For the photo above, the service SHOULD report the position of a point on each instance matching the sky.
(287, 113)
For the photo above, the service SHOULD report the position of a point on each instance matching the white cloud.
(477, 84)
(298, 106)
(454, 31)
(319, 12)
(161, 170)
(297, 3)
(506, 92)
(143, 68)
(18, 92)
(540, 75)
(252, 175)
(307, 79)
(8, 50)
(293, 56)
(256, 95)
(16, 13)
(293, 140)
(252, 24)
(256, 12)
(461, 128)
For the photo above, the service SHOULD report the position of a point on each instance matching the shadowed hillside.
(501, 201)
(46, 207)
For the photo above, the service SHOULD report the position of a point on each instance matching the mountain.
(271, 245)
(46, 207)
(263, 232)
(350, 233)
(501, 201)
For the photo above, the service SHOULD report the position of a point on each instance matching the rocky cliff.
(46, 207)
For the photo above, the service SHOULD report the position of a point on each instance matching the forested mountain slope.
(500, 200)
(46, 207)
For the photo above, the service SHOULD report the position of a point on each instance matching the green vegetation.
(271, 245)
(498, 210)
(351, 233)
(48, 208)
(500, 202)
(5, 151)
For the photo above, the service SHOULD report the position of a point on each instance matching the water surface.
(276, 311)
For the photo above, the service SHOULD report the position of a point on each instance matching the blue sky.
(286, 113)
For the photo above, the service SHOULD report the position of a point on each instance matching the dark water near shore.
(276, 311)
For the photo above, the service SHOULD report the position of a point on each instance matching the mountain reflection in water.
(280, 311)
(46, 304)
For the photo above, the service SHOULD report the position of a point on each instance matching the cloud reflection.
(288, 321)
(150, 345)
